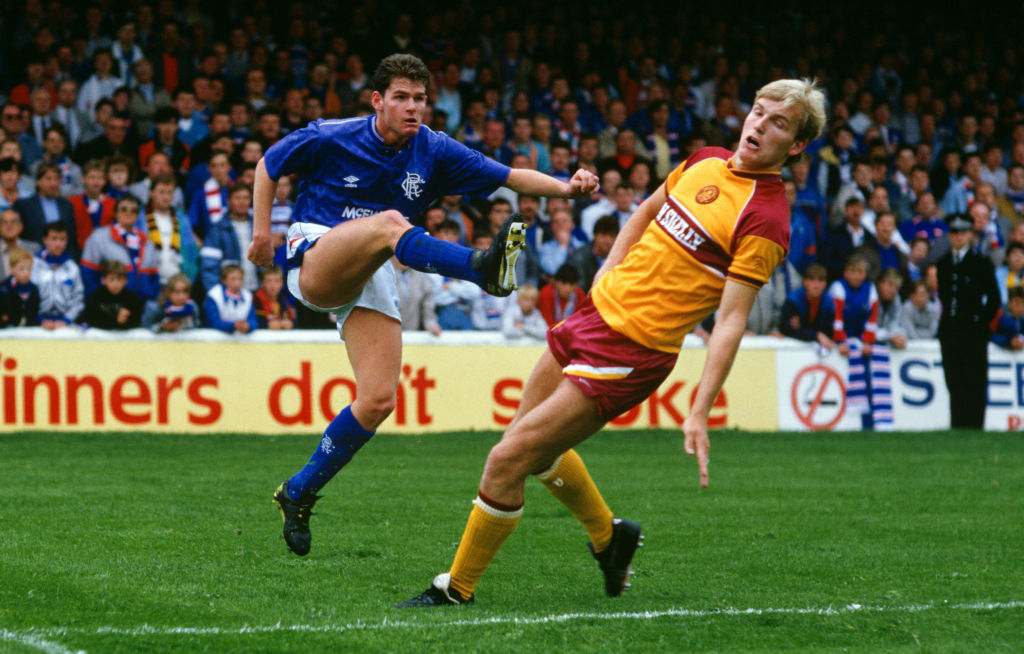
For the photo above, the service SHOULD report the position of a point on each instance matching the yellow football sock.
(486, 530)
(568, 480)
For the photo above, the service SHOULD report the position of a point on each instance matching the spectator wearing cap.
(970, 300)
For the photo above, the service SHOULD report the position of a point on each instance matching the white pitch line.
(34, 636)
(34, 641)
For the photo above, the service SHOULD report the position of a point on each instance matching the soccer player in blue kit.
(359, 181)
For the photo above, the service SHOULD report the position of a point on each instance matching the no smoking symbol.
(818, 396)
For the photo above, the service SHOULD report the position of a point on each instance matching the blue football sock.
(421, 251)
(341, 440)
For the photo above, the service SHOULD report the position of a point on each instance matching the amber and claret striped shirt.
(717, 223)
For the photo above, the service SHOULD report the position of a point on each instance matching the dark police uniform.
(970, 300)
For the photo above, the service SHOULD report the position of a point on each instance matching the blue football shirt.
(346, 171)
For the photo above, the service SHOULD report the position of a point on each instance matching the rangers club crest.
(412, 185)
(708, 194)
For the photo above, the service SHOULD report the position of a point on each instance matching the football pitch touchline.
(36, 637)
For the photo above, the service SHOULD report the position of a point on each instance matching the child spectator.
(522, 318)
(19, 297)
(123, 241)
(559, 299)
(452, 297)
(170, 233)
(173, 310)
(856, 323)
(112, 306)
(93, 208)
(229, 307)
(1010, 331)
(61, 291)
(920, 314)
(486, 311)
(119, 176)
(890, 327)
(1011, 273)
(809, 312)
(274, 309)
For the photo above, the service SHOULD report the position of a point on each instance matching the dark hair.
(57, 226)
(46, 167)
(607, 225)
(165, 115)
(7, 164)
(128, 197)
(448, 225)
(115, 268)
(400, 66)
(567, 274)
(1015, 293)
(56, 127)
(1014, 245)
(816, 271)
(238, 188)
(168, 178)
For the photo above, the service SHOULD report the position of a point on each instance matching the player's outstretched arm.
(632, 231)
(532, 182)
(737, 300)
(261, 251)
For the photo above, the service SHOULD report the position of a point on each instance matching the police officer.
(970, 300)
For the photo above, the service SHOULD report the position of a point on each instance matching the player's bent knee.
(508, 460)
(377, 407)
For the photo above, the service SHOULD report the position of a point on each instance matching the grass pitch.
(803, 542)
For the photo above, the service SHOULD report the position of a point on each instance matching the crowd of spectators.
(131, 130)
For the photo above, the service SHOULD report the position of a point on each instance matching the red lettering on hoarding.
(326, 407)
(10, 395)
(503, 399)
(163, 394)
(715, 418)
(628, 418)
(664, 400)
(96, 386)
(128, 395)
(303, 383)
(421, 384)
(121, 399)
(29, 385)
(213, 406)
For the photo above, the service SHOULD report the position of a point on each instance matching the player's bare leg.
(374, 343)
(335, 269)
(554, 416)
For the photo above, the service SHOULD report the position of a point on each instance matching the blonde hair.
(17, 255)
(528, 292)
(806, 94)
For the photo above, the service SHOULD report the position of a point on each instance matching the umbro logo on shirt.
(350, 181)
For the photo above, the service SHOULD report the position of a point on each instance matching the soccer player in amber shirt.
(708, 238)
